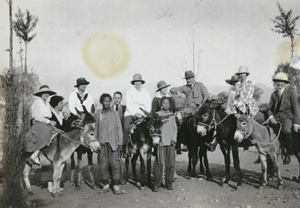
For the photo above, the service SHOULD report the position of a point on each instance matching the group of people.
(113, 119)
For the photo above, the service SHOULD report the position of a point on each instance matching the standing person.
(110, 136)
(56, 103)
(41, 131)
(234, 85)
(136, 97)
(79, 97)
(162, 91)
(117, 106)
(244, 96)
(284, 107)
(165, 157)
(194, 91)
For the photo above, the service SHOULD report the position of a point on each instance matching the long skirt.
(38, 136)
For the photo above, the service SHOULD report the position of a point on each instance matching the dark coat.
(286, 107)
(121, 110)
(62, 126)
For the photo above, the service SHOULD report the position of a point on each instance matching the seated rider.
(235, 83)
(41, 131)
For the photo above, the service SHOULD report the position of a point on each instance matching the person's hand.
(52, 123)
(296, 127)
(272, 120)
(173, 143)
(139, 115)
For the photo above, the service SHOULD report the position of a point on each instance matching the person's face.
(60, 106)
(117, 99)
(82, 88)
(280, 84)
(106, 103)
(165, 104)
(190, 81)
(45, 96)
(138, 85)
(243, 76)
(164, 90)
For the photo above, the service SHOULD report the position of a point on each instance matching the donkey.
(61, 148)
(266, 142)
(145, 133)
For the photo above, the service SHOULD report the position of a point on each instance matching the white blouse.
(136, 100)
(41, 111)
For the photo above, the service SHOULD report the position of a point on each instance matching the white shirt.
(136, 100)
(74, 102)
(58, 115)
(41, 111)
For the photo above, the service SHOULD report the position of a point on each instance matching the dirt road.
(188, 192)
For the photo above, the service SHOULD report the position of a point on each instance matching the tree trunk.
(25, 56)
(10, 36)
(292, 47)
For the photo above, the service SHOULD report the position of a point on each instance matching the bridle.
(245, 133)
(213, 124)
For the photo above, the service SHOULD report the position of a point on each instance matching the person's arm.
(37, 112)
(154, 105)
(90, 104)
(174, 90)
(295, 108)
(72, 101)
(204, 93)
(147, 101)
(119, 126)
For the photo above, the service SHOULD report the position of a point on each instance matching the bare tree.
(285, 24)
(23, 26)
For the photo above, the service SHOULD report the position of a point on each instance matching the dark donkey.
(212, 116)
(60, 150)
(145, 132)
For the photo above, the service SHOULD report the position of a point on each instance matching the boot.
(257, 161)
(287, 160)
(124, 150)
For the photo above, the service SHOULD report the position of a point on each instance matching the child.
(110, 136)
(165, 157)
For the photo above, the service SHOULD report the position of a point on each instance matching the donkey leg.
(189, 169)
(236, 164)
(59, 178)
(90, 168)
(142, 169)
(208, 174)
(26, 171)
(149, 169)
(263, 160)
(72, 181)
(201, 161)
(274, 159)
(126, 167)
(133, 164)
(194, 162)
(56, 178)
(226, 153)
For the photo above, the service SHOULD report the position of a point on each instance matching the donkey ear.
(79, 113)
(147, 113)
(238, 110)
(93, 109)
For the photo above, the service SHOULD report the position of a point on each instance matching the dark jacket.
(286, 106)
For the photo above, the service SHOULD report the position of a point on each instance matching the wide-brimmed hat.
(44, 89)
(161, 85)
(81, 81)
(137, 78)
(54, 100)
(234, 79)
(281, 76)
(188, 74)
(243, 70)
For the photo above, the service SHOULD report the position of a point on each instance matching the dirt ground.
(188, 192)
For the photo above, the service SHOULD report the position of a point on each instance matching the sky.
(108, 41)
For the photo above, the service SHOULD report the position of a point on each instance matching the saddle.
(135, 121)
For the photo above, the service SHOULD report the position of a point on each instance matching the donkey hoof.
(224, 180)
(238, 187)
(280, 187)
(72, 183)
(139, 184)
(261, 187)
(54, 195)
(142, 188)
(77, 188)
(30, 192)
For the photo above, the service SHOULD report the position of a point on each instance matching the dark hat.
(55, 99)
(234, 79)
(44, 89)
(161, 85)
(188, 74)
(137, 78)
(81, 81)
(243, 70)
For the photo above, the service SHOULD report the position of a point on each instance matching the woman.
(110, 136)
(57, 105)
(162, 91)
(234, 82)
(40, 133)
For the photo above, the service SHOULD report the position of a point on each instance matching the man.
(79, 97)
(244, 100)
(136, 98)
(195, 92)
(117, 106)
(284, 107)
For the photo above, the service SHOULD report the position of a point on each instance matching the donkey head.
(205, 118)
(243, 129)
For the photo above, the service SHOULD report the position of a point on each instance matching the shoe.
(117, 192)
(287, 160)
(103, 191)
(257, 161)
(36, 160)
(170, 188)
(155, 189)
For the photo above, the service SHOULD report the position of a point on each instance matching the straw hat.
(234, 79)
(188, 74)
(137, 78)
(243, 70)
(81, 81)
(161, 85)
(44, 89)
(281, 76)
